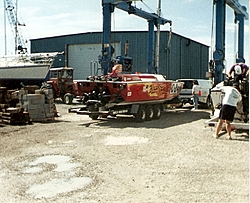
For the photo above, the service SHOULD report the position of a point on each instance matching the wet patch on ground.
(111, 140)
(58, 185)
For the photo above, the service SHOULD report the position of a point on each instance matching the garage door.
(84, 59)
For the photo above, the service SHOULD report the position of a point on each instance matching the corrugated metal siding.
(185, 58)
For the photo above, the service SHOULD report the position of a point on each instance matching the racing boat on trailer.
(134, 87)
(142, 95)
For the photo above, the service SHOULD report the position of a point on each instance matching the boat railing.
(36, 58)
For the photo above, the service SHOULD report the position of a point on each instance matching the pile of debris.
(26, 105)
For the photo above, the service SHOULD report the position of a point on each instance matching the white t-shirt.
(232, 95)
(196, 89)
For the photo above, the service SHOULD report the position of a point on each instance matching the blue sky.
(191, 18)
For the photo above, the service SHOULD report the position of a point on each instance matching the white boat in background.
(28, 69)
(22, 60)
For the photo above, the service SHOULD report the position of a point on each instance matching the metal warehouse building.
(180, 57)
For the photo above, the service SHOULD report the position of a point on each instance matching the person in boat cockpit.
(116, 71)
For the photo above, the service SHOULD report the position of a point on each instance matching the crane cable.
(170, 29)
(151, 10)
(235, 41)
(169, 37)
(212, 33)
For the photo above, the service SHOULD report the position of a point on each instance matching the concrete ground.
(76, 159)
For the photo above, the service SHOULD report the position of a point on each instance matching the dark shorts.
(227, 112)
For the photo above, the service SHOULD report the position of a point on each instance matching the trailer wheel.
(93, 116)
(141, 114)
(157, 111)
(68, 98)
(149, 112)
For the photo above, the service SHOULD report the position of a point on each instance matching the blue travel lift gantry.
(125, 5)
(219, 53)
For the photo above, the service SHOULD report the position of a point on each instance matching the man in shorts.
(231, 98)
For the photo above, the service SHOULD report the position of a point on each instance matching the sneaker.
(193, 109)
(215, 136)
(229, 137)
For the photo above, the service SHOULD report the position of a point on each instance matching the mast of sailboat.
(157, 47)
(5, 34)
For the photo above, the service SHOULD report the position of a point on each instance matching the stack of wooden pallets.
(15, 116)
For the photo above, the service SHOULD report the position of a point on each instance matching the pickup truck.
(204, 94)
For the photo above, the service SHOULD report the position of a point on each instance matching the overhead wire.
(235, 40)
(114, 29)
(212, 33)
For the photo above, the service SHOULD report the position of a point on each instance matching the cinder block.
(31, 107)
(49, 108)
(35, 99)
(48, 91)
(22, 92)
(32, 111)
(38, 91)
(49, 115)
(41, 111)
(50, 101)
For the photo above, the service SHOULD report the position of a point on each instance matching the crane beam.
(235, 5)
(116, 1)
(125, 5)
(219, 53)
(143, 14)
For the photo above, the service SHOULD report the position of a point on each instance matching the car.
(204, 93)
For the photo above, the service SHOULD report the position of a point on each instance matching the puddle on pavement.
(62, 163)
(33, 170)
(57, 186)
(110, 140)
(2, 175)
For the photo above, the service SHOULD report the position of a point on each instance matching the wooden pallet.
(15, 116)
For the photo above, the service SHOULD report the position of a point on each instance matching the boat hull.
(148, 91)
(140, 87)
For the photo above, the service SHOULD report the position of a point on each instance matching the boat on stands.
(28, 69)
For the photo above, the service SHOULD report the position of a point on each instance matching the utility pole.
(157, 47)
